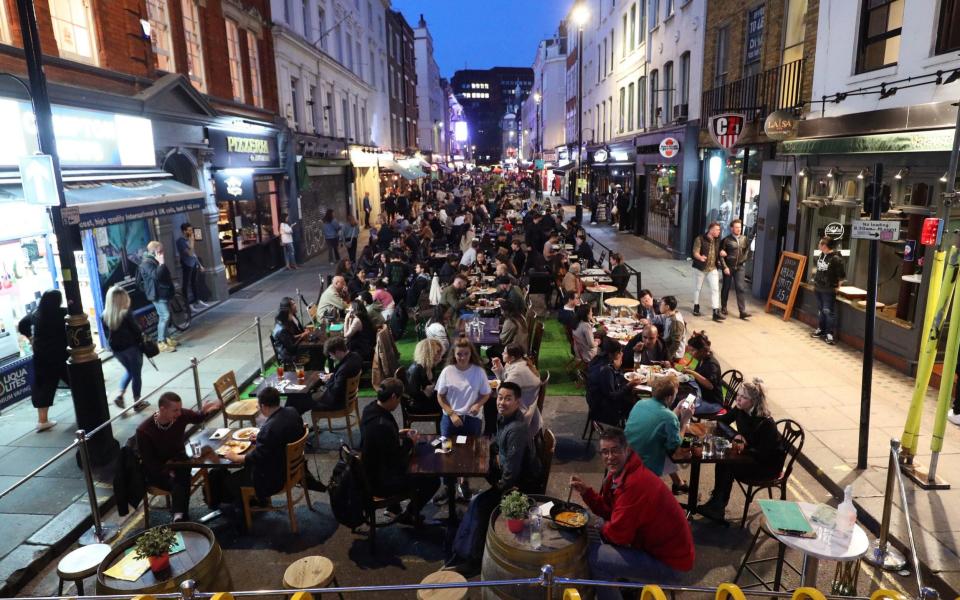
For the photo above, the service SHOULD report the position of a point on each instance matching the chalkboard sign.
(783, 292)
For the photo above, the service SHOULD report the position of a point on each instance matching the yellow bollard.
(727, 591)
(302, 596)
(808, 593)
(571, 594)
(883, 594)
(222, 596)
(652, 592)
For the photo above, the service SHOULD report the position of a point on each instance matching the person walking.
(350, 233)
(191, 267)
(47, 331)
(153, 277)
(125, 338)
(736, 248)
(827, 276)
(707, 259)
(367, 209)
(331, 233)
(286, 240)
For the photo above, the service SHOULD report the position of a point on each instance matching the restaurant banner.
(122, 215)
(240, 149)
(15, 378)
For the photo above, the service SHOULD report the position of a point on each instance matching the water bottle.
(846, 516)
(535, 522)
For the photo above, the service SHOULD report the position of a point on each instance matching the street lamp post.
(86, 371)
(580, 16)
(538, 150)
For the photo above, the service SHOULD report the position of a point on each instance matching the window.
(654, 99)
(234, 60)
(359, 56)
(73, 28)
(623, 42)
(345, 116)
(604, 57)
(160, 40)
(336, 32)
(600, 56)
(5, 28)
(369, 17)
(373, 69)
(331, 114)
(314, 109)
(305, 9)
(722, 54)
(654, 12)
(364, 137)
(633, 26)
(630, 100)
(642, 33)
(685, 78)
(948, 33)
(253, 53)
(295, 101)
(288, 12)
(356, 122)
(349, 63)
(642, 103)
(623, 109)
(610, 104)
(603, 126)
(668, 12)
(322, 27)
(668, 89)
(793, 31)
(880, 23)
(194, 39)
(613, 51)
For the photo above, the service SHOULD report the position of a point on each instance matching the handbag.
(150, 348)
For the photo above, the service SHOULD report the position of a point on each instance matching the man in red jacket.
(644, 533)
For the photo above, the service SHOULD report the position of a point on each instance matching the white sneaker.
(46, 426)
(196, 307)
(953, 417)
(202, 303)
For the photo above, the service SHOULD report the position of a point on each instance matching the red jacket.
(641, 512)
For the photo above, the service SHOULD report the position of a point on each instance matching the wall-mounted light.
(833, 172)
(945, 177)
(901, 174)
(952, 77)
(714, 166)
(146, 28)
(886, 92)
(863, 173)
(803, 172)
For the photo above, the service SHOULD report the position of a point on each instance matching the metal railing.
(99, 532)
(756, 95)
(633, 272)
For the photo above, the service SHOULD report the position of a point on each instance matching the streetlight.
(580, 15)
(538, 149)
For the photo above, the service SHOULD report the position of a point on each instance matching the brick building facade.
(402, 82)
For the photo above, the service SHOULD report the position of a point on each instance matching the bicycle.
(180, 313)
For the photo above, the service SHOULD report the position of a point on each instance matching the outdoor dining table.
(694, 457)
(601, 289)
(490, 335)
(208, 450)
(289, 385)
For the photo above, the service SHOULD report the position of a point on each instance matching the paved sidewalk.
(819, 386)
(37, 520)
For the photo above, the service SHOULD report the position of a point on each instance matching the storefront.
(835, 187)
(251, 201)
(327, 187)
(667, 168)
(366, 181)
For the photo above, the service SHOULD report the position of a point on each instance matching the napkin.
(223, 431)
(545, 509)
(295, 387)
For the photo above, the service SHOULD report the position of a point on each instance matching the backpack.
(346, 497)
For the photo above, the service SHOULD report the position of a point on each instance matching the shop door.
(323, 192)
(662, 205)
(749, 207)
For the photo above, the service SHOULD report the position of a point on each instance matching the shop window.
(256, 91)
(948, 32)
(268, 208)
(722, 186)
(27, 272)
(194, 37)
(880, 26)
(233, 58)
(159, 17)
(73, 29)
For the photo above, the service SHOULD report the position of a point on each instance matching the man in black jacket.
(265, 466)
(348, 364)
(154, 279)
(828, 274)
(386, 452)
(736, 246)
(609, 396)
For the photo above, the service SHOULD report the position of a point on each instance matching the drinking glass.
(300, 373)
(279, 370)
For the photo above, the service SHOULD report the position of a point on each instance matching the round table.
(602, 289)
(816, 549)
(622, 303)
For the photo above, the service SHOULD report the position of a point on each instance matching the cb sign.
(725, 129)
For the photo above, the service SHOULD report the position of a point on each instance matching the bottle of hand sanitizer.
(846, 515)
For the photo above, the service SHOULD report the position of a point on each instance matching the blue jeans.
(609, 562)
(471, 426)
(827, 305)
(163, 317)
(132, 360)
(290, 254)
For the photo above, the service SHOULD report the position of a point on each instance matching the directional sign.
(885, 231)
(38, 180)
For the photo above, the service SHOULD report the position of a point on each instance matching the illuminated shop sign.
(239, 149)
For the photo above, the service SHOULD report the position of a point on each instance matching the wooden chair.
(296, 475)
(371, 503)
(406, 407)
(792, 437)
(350, 410)
(545, 444)
(542, 392)
(536, 339)
(310, 572)
(198, 479)
(234, 409)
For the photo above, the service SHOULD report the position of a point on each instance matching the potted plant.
(514, 507)
(154, 545)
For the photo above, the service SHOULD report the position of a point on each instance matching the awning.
(444, 168)
(937, 140)
(565, 168)
(121, 198)
(405, 172)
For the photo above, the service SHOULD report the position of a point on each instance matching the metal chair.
(545, 444)
(792, 437)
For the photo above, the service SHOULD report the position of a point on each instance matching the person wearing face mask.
(154, 279)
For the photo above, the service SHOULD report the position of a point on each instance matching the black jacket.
(417, 380)
(609, 398)
(830, 272)
(268, 459)
(385, 455)
(517, 465)
(335, 392)
(154, 279)
(128, 479)
(127, 335)
(49, 341)
(285, 341)
(764, 443)
(737, 249)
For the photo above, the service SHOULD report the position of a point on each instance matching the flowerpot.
(515, 525)
(159, 564)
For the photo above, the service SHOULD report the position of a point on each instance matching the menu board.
(783, 292)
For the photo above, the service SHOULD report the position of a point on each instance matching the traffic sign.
(38, 180)
(885, 231)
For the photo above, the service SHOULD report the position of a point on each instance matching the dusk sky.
(489, 33)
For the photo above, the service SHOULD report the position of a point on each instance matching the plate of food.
(633, 376)
(567, 515)
(233, 446)
(245, 434)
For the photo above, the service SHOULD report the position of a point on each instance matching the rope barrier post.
(881, 554)
(195, 367)
(99, 533)
(188, 589)
(256, 321)
(546, 580)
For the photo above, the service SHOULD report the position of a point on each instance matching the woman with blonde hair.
(757, 435)
(125, 338)
(421, 378)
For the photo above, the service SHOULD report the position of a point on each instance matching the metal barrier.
(547, 580)
(100, 533)
(882, 554)
(633, 272)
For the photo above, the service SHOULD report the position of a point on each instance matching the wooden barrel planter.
(202, 561)
(510, 556)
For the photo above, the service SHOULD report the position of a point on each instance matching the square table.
(471, 459)
(311, 379)
(695, 459)
(208, 451)
(490, 335)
